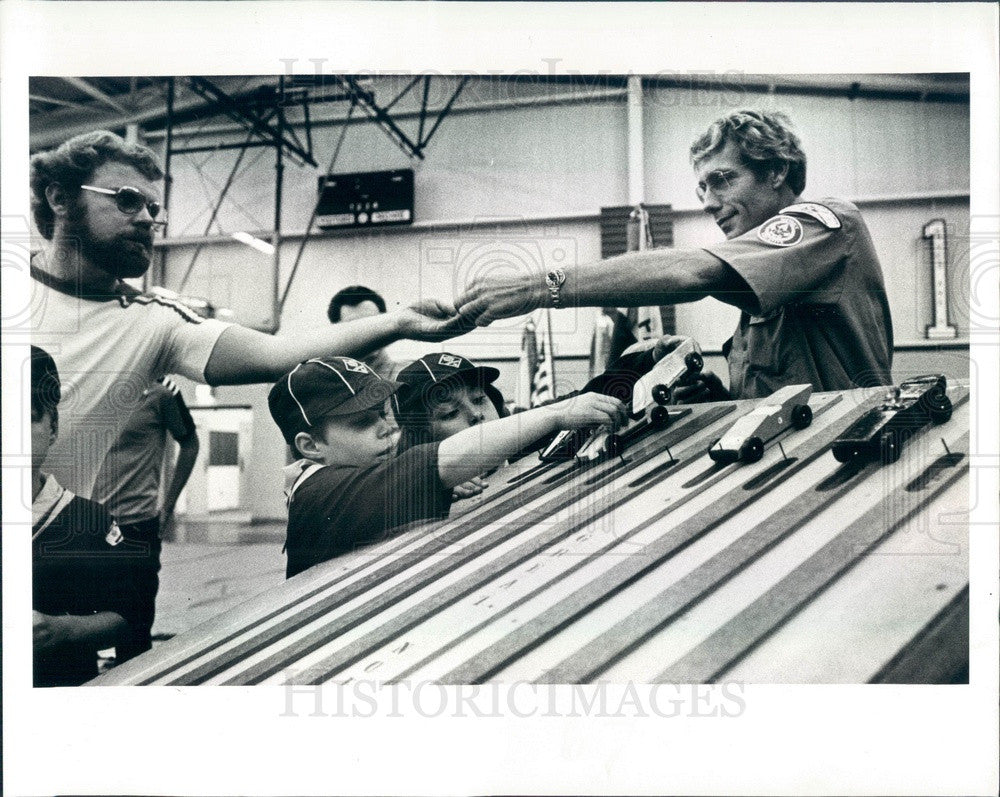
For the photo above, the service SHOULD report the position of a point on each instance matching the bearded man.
(96, 201)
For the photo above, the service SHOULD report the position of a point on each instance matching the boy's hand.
(474, 486)
(432, 319)
(48, 631)
(590, 409)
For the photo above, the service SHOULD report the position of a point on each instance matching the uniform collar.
(49, 502)
(79, 290)
(298, 472)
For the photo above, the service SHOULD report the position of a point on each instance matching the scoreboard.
(365, 199)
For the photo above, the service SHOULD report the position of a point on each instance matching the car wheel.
(659, 417)
(846, 453)
(802, 416)
(752, 449)
(890, 448)
(941, 409)
(661, 394)
(614, 446)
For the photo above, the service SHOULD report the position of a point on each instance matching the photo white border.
(204, 740)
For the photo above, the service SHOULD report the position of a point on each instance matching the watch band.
(554, 281)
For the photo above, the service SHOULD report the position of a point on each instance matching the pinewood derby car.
(881, 433)
(654, 388)
(744, 442)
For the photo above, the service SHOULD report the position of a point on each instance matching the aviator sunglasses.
(130, 201)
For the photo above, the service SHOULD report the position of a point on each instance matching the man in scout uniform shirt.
(804, 274)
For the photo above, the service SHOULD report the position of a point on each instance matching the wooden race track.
(661, 566)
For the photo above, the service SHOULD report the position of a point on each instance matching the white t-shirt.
(108, 348)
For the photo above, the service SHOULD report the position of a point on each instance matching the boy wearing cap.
(444, 393)
(350, 488)
(83, 591)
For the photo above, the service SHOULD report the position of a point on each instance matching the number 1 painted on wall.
(940, 329)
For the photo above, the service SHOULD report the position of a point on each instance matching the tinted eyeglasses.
(130, 201)
(717, 182)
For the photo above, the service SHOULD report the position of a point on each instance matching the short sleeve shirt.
(128, 484)
(823, 314)
(108, 348)
(335, 509)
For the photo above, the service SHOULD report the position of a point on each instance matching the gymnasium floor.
(216, 563)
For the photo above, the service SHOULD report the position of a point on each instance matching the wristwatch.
(554, 281)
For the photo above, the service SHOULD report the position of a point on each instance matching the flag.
(543, 383)
(527, 365)
(536, 370)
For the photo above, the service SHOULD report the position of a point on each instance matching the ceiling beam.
(96, 93)
(217, 97)
(54, 101)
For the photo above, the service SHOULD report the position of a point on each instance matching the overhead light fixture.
(256, 243)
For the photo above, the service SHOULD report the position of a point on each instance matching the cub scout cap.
(432, 374)
(318, 388)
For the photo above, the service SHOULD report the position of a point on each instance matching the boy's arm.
(244, 356)
(480, 448)
(100, 630)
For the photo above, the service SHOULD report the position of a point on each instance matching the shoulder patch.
(821, 213)
(780, 231)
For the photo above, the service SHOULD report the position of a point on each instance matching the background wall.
(516, 176)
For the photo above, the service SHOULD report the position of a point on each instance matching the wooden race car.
(744, 442)
(565, 445)
(654, 388)
(881, 432)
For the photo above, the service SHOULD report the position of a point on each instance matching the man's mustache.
(144, 238)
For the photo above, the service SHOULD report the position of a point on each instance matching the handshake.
(480, 304)
(437, 320)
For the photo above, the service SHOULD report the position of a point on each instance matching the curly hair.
(766, 142)
(73, 162)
